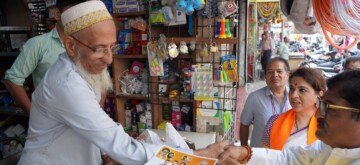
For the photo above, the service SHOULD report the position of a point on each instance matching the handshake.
(226, 153)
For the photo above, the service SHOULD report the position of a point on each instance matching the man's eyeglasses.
(323, 106)
(100, 52)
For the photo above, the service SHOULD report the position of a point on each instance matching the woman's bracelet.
(248, 156)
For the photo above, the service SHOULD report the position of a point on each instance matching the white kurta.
(316, 154)
(68, 126)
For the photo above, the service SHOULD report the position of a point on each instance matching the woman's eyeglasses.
(323, 106)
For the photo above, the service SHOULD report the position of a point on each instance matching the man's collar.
(270, 93)
(55, 34)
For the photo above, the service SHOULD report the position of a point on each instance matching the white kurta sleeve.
(76, 106)
(292, 156)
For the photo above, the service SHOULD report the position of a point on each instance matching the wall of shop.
(17, 13)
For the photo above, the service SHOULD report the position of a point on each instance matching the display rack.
(203, 29)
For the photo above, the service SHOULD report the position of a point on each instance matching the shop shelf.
(178, 98)
(130, 56)
(177, 40)
(140, 13)
(133, 96)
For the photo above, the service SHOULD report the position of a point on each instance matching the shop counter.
(201, 140)
(295, 59)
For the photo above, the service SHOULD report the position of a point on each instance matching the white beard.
(100, 83)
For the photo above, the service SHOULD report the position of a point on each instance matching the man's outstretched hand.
(212, 150)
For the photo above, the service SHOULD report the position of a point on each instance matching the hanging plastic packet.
(192, 45)
(168, 14)
(183, 48)
(155, 63)
(161, 51)
(173, 51)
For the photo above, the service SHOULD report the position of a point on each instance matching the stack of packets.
(168, 154)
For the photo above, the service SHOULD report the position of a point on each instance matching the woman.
(298, 125)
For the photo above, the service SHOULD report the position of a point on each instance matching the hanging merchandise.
(223, 30)
(227, 120)
(155, 63)
(228, 8)
(173, 51)
(227, 29)
(183, 48)
(187, 72)
(157, 17)
(340, 18)
(203, 51)
(210, 5)
(202, 82)
(161, 50)
(213, 48)
(189, 5)
(267, 10)
(228, 63)
(168, 14)
(138, 23)
(179, 18)
(208, 116)
(191, 25)
(218, 26)
(222, 34)
(156, 13)
(181, 5)
(347, 14)
(301, 13)
(189, 10)
(234, 21)
(192, 45)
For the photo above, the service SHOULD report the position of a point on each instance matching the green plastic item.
(227, 29)
(225, 76)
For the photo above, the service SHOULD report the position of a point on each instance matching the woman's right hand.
(232, 155)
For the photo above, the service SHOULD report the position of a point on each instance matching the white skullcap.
(84, 15)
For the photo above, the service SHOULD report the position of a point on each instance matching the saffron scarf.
(281, 130)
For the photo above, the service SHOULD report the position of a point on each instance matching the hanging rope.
(347, 12)
(338, 17)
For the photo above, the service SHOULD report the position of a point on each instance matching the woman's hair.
(312, 76)
(346, 85)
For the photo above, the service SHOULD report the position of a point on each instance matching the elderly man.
(67, 124)
(265, 102)
(338, 131)
(36, 57)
